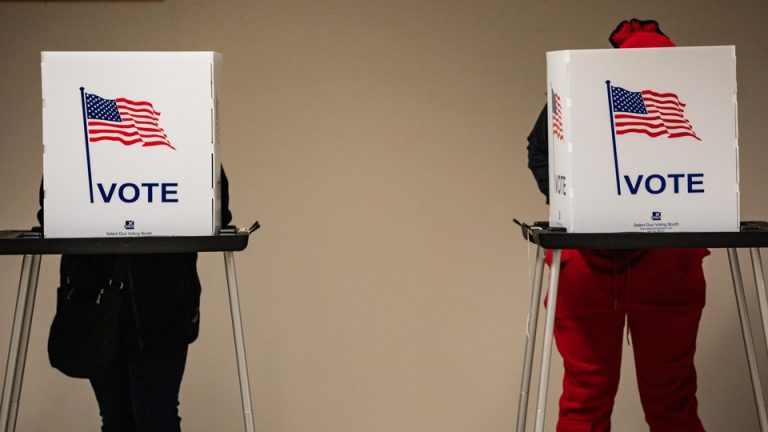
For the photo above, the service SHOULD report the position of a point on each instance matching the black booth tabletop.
(31, 243)
(752, 234)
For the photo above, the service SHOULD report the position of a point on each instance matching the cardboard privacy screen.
(643, 140)
(130, 144)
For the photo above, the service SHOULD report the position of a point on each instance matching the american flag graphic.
(557, 117)
(650, 113)
(125, 121)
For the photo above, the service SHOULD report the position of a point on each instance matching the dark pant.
(142, 395)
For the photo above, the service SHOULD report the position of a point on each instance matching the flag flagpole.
(613, 136)
(87, 147)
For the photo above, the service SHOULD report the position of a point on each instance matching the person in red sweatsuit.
(659, 295)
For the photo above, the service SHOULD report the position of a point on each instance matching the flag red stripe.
(642, 131)
(120, 140)
(651, 92)
(631, 116)
(684, 134)
(96, 123)
(145, 142)
(659, 94)
(95, 126)
(671, 113)
(147, 114)
(125, 115)
(144, 124)
(130, 103)
(647, 124)
(133, 102)
(131, 133)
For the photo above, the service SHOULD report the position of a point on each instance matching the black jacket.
(161, 310)
(538, 153)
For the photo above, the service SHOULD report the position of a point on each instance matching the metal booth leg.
(530, 340)
(237, 329)
(546, 354)
(17, 351)
(746, 332)
(757, 269)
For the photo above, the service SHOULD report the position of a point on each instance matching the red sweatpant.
(660, 295)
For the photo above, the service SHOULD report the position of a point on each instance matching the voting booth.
(131, 166)
(643, 139)
(643, 154)
(130, 143)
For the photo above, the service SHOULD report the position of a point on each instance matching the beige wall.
(381, 145)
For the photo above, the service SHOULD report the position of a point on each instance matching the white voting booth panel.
(130, 144)
(643, 140)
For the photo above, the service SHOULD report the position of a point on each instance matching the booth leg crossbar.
(22, 322)
(546, 355)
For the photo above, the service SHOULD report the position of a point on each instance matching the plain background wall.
(381, 144)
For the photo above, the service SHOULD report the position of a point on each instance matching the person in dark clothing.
(159, 317)
(659, 294)
(538, 153)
